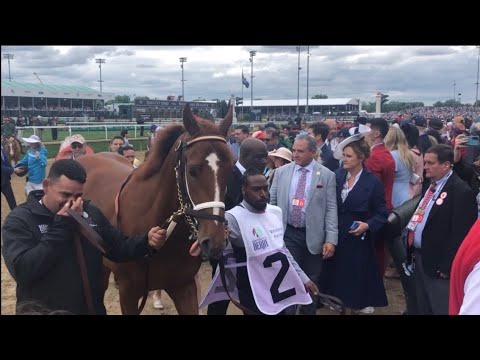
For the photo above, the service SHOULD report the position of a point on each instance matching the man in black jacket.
(7, 171)
(39, 249)
(253, 154)
(443, 218)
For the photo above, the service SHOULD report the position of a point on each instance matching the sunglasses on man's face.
(77, 146)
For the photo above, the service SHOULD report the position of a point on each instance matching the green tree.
(141, 98)
(222, 108)
(438, 104)
(320, 96)
(452, 103)
(368, 107)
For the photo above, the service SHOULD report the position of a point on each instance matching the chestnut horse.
(184, 178)
(13, 150)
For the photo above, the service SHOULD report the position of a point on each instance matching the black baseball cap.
(419, 120)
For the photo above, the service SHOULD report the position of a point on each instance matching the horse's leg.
(185, 298)
(106, 277)
(131, 287)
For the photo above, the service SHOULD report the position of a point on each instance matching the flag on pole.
(244, 81)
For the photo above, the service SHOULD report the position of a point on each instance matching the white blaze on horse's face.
(213, 162)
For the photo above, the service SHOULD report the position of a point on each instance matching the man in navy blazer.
(315, 238)
(7, 171)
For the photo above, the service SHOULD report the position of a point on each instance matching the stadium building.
(288, 108)
(27, 99)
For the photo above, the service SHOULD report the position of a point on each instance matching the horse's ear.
(189, 121)
(226, 122)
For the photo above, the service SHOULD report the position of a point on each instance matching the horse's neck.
(153, 195)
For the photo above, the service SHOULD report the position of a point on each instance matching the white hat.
(283, 153)
(338, 153)
(32, 139)
(361, 129)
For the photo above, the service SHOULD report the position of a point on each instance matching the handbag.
(401, 215)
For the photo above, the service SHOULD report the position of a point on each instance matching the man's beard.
(260, 207)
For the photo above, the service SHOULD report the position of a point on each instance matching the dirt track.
(394, 289)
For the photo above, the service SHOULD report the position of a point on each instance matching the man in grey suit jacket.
(312, 237)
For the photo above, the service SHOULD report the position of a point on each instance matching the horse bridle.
(188, 208)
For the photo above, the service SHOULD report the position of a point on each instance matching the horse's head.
(207, 165)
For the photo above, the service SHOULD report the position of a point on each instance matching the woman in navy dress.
(352, 273)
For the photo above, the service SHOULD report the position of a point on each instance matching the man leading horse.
(182, 185)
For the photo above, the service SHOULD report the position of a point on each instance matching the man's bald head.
(332, 124)
(253, 154)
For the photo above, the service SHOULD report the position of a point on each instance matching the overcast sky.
(406, 73)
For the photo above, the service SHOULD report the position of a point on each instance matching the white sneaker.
(366, 310)
(157, 304)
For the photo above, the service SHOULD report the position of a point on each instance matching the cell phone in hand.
(473, 140)
(354, 226)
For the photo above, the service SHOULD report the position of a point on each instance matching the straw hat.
(283, 153)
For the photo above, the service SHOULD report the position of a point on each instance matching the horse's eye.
(193, 172)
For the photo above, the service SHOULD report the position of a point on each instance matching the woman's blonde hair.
(396, 140)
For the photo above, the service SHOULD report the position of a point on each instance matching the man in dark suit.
(7, 171)
(442, 220)
(320, 131)
(253, 154)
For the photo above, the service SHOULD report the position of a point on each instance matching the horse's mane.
(165, 139)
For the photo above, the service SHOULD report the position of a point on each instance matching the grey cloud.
(411, 73)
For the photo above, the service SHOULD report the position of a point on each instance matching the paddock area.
(393, 287)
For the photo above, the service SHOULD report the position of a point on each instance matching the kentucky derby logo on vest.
(43, 228)
(260, 243)
(257, 231)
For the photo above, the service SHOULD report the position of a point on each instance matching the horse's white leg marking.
(213, 161)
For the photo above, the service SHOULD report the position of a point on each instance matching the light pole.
(38, 77)
(454, 90)
(183, 60)
(252, 54)
(478, 70)
(8, 57)
(100, 62)
(298, 82)
(308, 70)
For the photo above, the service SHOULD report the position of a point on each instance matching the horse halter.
(184, 192)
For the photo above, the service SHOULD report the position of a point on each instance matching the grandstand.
(27, 99)
(288, 107)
